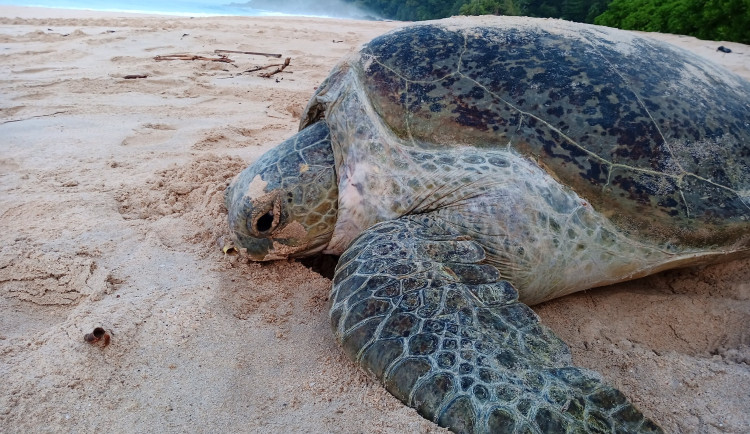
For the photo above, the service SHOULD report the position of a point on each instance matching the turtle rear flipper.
(413, 304)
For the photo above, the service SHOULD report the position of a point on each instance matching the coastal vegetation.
(705, 19)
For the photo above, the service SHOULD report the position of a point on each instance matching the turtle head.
(284, 205)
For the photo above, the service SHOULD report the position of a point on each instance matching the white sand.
(111, 203)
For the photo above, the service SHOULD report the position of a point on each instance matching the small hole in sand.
(98, 332)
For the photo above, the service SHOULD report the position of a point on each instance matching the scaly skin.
(414, 303)
(284, 205)
(464, 170)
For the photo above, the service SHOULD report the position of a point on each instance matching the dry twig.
(279, 69)
(248, 52)
(224, 59)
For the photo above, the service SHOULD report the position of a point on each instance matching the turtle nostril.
(264, 222)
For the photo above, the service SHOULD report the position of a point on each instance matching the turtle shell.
(654, 137)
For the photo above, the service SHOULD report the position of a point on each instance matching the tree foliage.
(574, 10)
(492, 7)
(705, 19)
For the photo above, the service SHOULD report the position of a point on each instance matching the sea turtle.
(465, 169)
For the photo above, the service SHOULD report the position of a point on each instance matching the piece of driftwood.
(248, 52)
(224, 59)
(279, 68)
(258, 68)
(134, 76)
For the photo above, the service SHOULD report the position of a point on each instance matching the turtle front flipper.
(413, 304)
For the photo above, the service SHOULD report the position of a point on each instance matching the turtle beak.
(280, 206)
(259, 249)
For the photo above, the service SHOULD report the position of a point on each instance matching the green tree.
(595, 10)
(575, 10)
(726, 20)
(705, 19)
(492, 7)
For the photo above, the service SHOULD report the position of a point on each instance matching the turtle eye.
(264, 222)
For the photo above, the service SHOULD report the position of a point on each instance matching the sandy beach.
(111, 206)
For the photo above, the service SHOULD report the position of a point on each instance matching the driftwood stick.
(279, 69)
(248, 52)
(258, 68)
(224, 59)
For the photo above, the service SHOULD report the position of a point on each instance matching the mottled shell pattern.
(655, 138)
